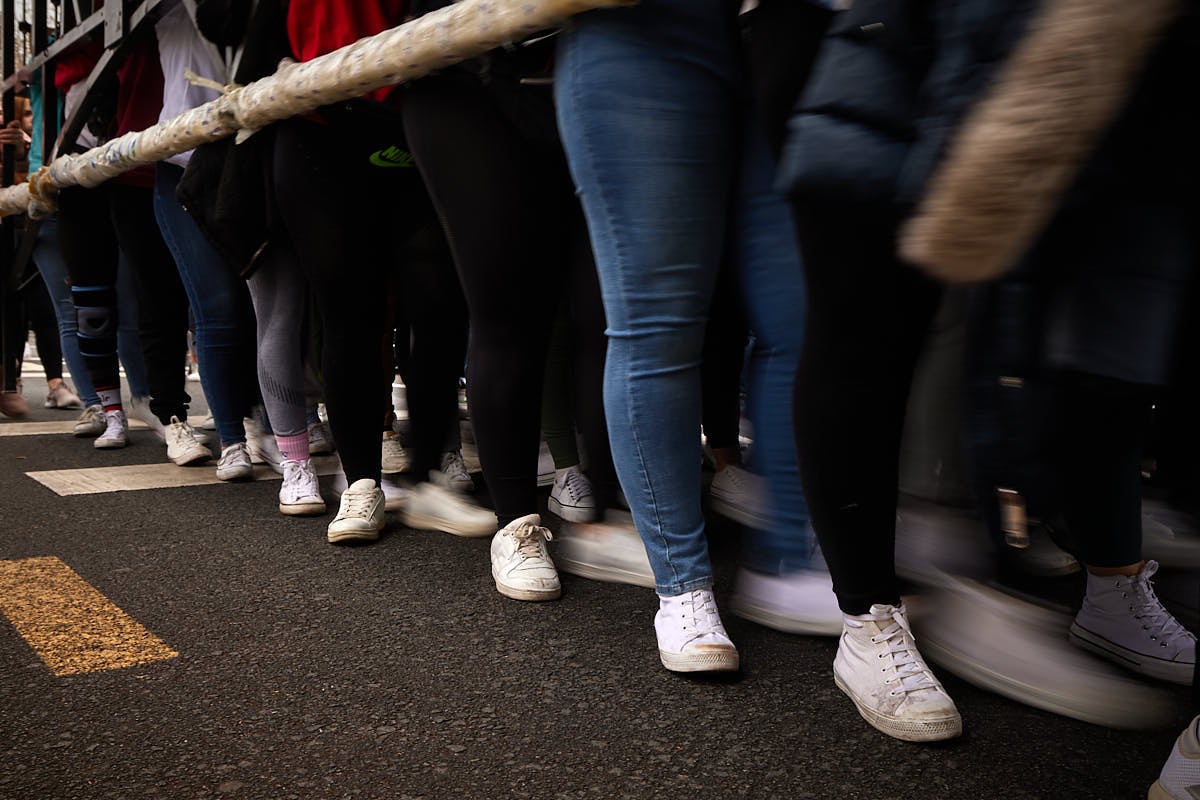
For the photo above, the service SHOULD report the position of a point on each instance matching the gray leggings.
(279, 292)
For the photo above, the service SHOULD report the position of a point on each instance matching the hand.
(12, 134)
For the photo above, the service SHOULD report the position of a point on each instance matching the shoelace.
(529, 540)
(704, 617)
(911, 673)
(355, 504)
(181, 431)
(231, 454)
(577, 485)
(1148, 609)
(454, 467)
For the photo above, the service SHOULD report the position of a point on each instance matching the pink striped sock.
(294, 448)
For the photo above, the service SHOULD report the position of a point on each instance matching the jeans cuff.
(672, 589)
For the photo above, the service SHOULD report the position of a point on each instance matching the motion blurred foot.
(61, 396)
(604, 551)
(797, 602)
(740, 495)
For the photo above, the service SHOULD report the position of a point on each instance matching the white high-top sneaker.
(182, 447)
(571, 498)
(691, 637)
(1124, 621)
(116, 431)
(877, 665)
(360, 516)
(521, 564)
(300, 494)
(1180, 776)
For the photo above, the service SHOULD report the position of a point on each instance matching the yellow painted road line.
(66, 426)
(162, 475)
(72, 627)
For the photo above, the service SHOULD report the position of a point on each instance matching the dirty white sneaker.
(691, 637)
(395, 495)
(1124, 621)
(798, 602)
(434, 507)
(91, 422)
(879, 668)
(320, 439)
(300, 494)
(603, 551)
(521, 565)
(263, 448)
(395, 457)
(571, 498)
(182, 447)
(741, 496)
(455, 474)
(116, 431)
(234, 464)
(139, 408)
(1180, 776)
(61, 396)
(360, 516)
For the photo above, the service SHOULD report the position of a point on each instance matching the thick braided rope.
(431, 42)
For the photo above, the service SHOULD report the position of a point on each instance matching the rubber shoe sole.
(109, 444)
(1157, 792)
(930, 730)
(776, 620)
(350, 536)
(597, 573)
(302, 509)
(702, 658)
(425, 522)
(197, 456)
(570, 514)
(529, 595)
(1161, 669)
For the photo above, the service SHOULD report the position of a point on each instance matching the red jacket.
(317, 27)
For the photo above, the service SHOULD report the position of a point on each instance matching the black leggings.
(349, 200)
(867, 318)
(31, 309)
(93, 226)
(499, 181)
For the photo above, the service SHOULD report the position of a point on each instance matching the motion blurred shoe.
(1124, 621)
(360, 515)
(234, 464)
(604, 551)
(433, 507)
(880, 670)
(571, 498)
(395, 496)
(300, 493)
(263, 448)
(1019, 650)
(12, 404)
(1169, 536)
(1180, 776)
(545, 466)
(798, 602)
(320, 439)
(182, 447)
(1044, 558)
(61, 396)
(521, 565)
(116, 431)
(740, 495)
(395, 457)
(454, 473)
(690, 635)
(139, 408)
(91, 422)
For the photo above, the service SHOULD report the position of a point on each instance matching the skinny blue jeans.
(668, 165)
(53, 267)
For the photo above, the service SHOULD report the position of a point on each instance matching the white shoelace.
(181, 432)
(357, 504)
(576, 485)
(911, 673)
(530, 539)
(704, 617)
(1161, 626)
(233, 453)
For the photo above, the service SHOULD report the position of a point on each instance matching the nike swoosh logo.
(391, 157)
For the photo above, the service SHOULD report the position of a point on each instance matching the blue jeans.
(219, 302)
(50, 263)
(659, 144)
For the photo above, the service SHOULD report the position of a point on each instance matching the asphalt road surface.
(289, 668)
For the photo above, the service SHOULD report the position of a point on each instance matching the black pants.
(867, 318)
(499, 180)
(350, 200)
(94, 226)
(722, 361)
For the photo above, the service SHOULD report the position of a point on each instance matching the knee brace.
(96, 320)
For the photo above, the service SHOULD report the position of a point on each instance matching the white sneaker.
(263, 448)
(395, 496)
(879, 668)
(741, 496)
(454, 473)
(433, 507)
(571, 498)
(691, 637)
(360, 516)
(320, 439)
(395, 458)
(1124, 621)
(300, 494)
(182, 447)
(545, 466)
(234, 464)
(603, 551)
(139, 408)
(209, 424)
(116, 431)
(521, 565)
(61, 396)
(798, 602)
(1180, 776)
(91, 422)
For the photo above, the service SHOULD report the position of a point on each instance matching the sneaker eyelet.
(1153, 638)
